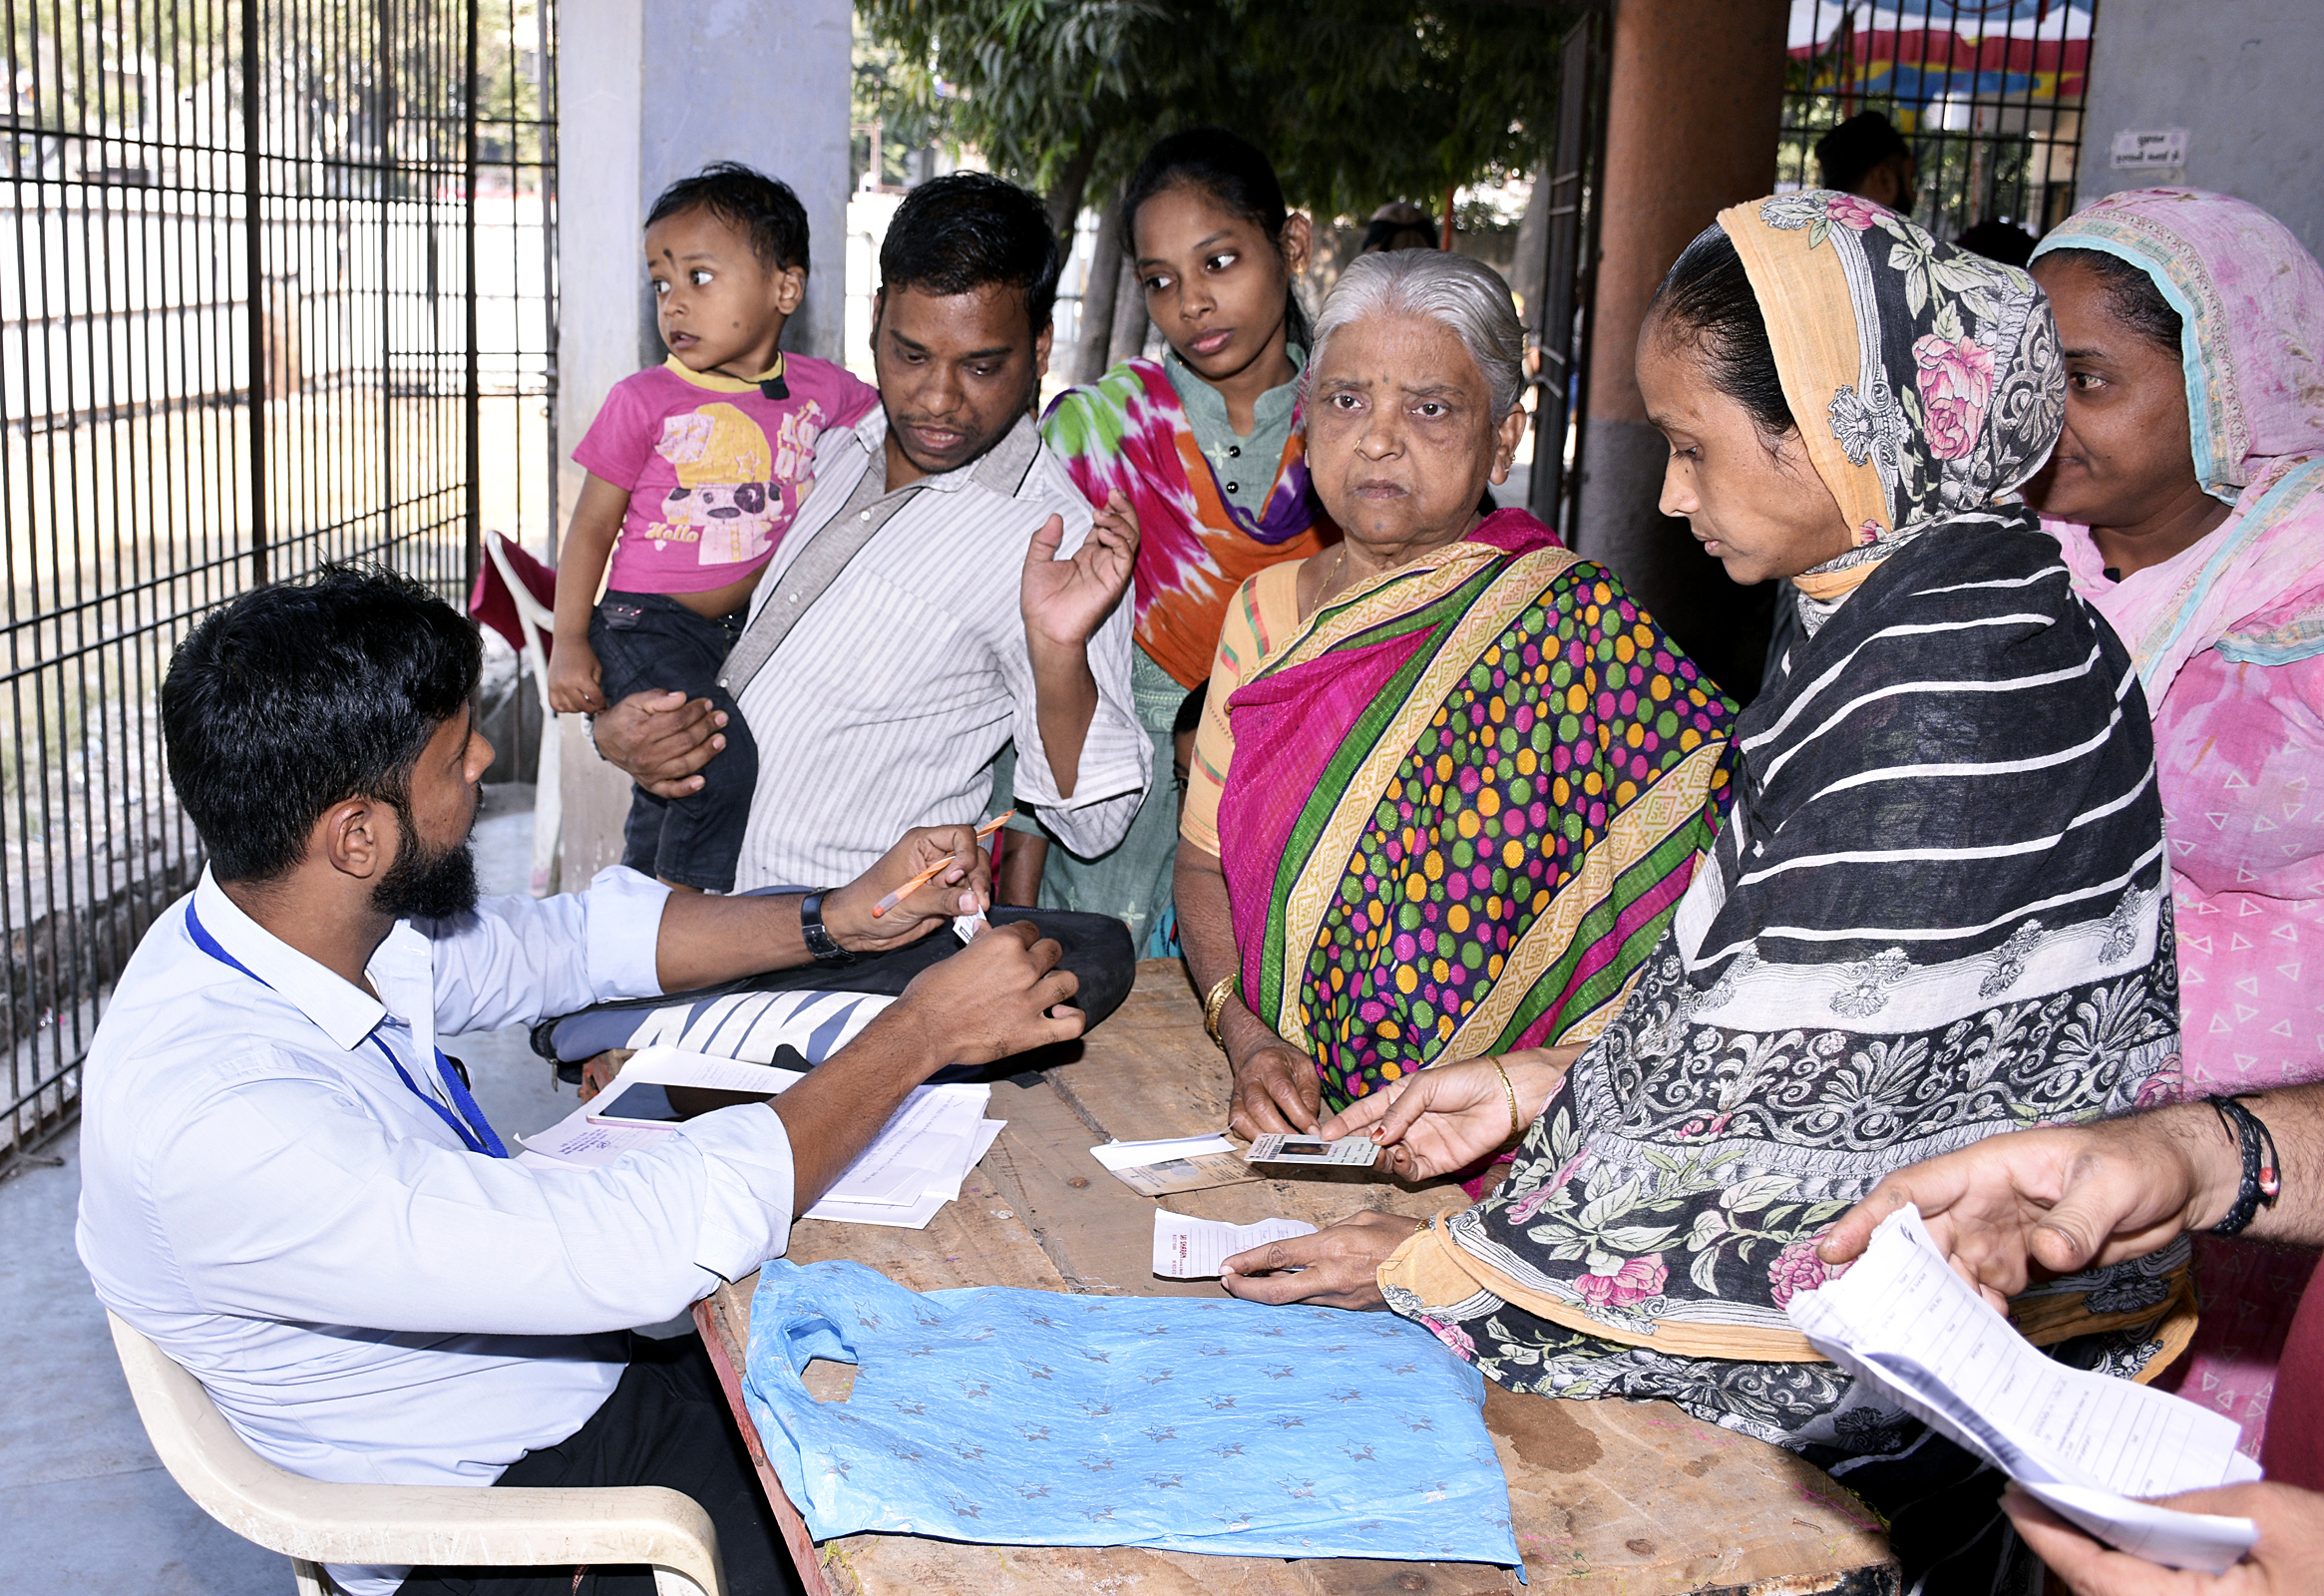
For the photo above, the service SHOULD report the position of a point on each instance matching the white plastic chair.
(548, 793)
(313, 1524)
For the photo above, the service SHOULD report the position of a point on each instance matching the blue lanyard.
(475, 1134)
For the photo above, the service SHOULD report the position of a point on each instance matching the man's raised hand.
(1065, 600)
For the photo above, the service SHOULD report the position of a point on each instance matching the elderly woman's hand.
(1276, 1092)
(1337, 1267)
(1449, 1117)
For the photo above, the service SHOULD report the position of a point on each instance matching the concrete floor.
(87, 1507)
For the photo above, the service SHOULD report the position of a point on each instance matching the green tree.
(1358, 101)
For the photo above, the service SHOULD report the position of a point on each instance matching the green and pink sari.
(1463, 802)
(1128, 431)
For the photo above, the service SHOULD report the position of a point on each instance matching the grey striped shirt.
(884, 707)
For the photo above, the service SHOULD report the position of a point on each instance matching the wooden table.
(1616, 1497)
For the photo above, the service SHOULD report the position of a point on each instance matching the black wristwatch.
(820, 942)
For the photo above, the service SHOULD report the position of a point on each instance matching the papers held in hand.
(912, 1168)
(1188, 1248)
(2083, 1445)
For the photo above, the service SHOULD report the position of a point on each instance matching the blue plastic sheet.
(1031, 1417)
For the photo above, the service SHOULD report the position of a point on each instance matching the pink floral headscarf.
(2250, 302)
(1925, 380)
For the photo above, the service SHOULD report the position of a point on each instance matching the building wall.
(2240, 75)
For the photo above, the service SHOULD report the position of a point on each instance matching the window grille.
(1987, 94)
(276, 287)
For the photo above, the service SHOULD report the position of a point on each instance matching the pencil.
(936, 870)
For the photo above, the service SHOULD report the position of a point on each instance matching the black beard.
(426, 886)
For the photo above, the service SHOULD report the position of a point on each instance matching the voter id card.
(1353, 1152)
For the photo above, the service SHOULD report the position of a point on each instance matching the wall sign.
(2140, 148)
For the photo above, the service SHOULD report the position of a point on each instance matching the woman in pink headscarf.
(2188, 495)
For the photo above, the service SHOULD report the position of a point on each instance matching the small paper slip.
(2083, 1445)
(1173, 1165)
(1187, 1248)
(1352, 1152)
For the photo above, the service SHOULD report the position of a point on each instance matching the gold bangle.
(1516, 1125)
(1215, 1005)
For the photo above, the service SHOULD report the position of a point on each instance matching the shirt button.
(866, 516)
(1234, 451)
(1234, 487)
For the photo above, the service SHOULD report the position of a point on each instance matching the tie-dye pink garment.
(2228, 638)
(1127, 430)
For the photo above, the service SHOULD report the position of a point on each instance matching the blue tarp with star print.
(1035, 1418)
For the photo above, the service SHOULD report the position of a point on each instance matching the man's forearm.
(2294, 1118)
(832, 1115)
(1065, 703)
(706, 940)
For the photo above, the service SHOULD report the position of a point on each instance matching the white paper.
(580, 1140)
(911, 1169)
(1134, 1154)
(1187, 1248)
(1901, 1320)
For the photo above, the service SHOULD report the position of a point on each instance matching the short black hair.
(956, 234)
(1998, 240)
(1234, 173)
(768, 212)
(2131, 295)
(299, 696)
(1707, 305)
(1844, 154)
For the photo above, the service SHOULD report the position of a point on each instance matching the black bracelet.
(820, 942)
(2262, 1171)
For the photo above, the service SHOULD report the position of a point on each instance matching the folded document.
(2083, 1445)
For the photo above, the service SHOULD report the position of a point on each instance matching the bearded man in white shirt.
(287, 1185)
(942, 591)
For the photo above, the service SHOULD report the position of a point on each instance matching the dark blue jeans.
(649, 642)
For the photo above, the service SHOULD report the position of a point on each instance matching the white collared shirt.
(365, 1299)
(884, 705)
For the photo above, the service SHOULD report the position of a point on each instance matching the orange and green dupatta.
(1128, 431)
(1463, 802)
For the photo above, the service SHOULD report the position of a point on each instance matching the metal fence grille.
(266, 265)
(1988, 93)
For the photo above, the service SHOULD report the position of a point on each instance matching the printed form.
(2084, 1445)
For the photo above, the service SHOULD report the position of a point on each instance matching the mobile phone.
(641, 1103)
(649, 1103)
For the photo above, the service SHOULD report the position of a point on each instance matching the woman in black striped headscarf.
(1937, 909)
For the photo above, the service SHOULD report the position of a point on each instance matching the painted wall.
(2239, 76)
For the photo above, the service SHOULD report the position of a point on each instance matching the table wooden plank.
(1611, 1499)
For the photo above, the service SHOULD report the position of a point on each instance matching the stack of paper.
(1173, 1165)
(916, 1165)
(2083, 1445)
(912, 1168)
(1187, 1248)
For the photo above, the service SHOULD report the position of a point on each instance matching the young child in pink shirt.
(695, 467)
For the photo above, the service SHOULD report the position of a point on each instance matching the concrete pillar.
(649, 91)
(1695, 102)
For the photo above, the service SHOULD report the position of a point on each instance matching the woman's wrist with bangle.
(1534, 1079)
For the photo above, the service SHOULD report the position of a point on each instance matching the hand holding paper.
(2083, 1445)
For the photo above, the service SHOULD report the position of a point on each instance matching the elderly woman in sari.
(1451, 780)
(1937, 907)
(2188, 496)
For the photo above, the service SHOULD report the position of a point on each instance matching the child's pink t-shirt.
(714, 469)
